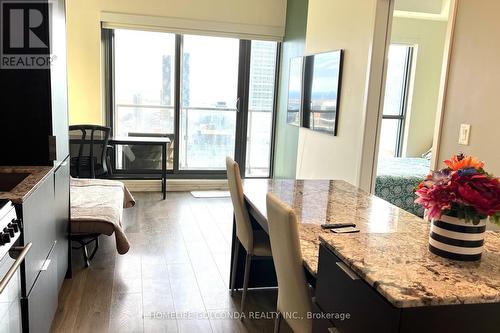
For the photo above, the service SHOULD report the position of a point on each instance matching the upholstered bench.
(97, 208)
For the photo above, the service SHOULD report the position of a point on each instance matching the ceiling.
(423, 9)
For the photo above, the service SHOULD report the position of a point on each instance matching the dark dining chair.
(89, 151)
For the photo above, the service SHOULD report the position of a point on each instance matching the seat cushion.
(261, 244)
(97, 207)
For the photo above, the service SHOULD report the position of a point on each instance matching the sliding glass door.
(144, 95)
(261, 93)
(209, 94)
(212, 96)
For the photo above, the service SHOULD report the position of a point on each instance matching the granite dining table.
(390, 251)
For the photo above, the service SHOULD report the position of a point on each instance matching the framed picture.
(322, 83)
(294, 104)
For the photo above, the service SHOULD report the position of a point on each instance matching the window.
(212, 96)
(395, 100)
(144, 94)
(260, 108)
(208, 96)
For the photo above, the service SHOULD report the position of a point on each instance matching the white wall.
(84, 37)
(472, 94)
(428, 37)
(332, 25)
(474, 84)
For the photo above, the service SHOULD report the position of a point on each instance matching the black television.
(322, 82)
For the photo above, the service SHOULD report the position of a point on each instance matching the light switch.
(463, 136)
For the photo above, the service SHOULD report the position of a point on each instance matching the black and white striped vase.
(455, 239)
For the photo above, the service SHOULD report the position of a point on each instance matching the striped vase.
(455, 239)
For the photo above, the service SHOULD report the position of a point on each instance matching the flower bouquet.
(458, 200)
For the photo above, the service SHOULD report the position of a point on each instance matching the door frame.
(376, 90)
(443, 85)
(240, 144)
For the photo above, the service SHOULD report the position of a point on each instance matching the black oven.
(11, 258)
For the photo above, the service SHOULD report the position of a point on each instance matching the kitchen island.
(390, 282)
(384, 277)
(401, 268)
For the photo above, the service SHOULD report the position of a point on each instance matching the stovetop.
(10, 227)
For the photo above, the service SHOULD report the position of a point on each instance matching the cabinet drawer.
(340, 290)
(40, 306)
(321, 324)
(39, 228)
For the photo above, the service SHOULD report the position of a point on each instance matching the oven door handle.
(12, 270)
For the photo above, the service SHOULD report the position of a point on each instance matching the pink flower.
(436, 199)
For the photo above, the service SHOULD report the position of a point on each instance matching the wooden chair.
(293, 290)
(255, 242)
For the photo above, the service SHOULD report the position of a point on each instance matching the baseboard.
(176, 185)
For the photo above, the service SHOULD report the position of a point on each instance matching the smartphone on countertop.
(347, 230)
(337, 225)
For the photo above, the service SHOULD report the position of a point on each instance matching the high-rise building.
(166, 81)
(166, 78)
(185, 80)
(262, 74)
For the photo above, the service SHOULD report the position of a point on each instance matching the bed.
(397, 179)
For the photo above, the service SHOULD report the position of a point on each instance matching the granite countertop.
(390, 251)
(401, 268)
(323, 201)
(23, 190)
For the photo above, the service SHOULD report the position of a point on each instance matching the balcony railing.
(210, 141)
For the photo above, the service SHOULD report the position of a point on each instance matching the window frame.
(401, 117)
(108, 47)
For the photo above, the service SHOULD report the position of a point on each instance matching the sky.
(213, 66)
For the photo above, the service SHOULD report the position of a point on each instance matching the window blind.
(110, 20)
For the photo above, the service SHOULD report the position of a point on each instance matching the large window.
(209, 92)
(260, 108)
(395, 100)
(212, 96)
(144, 94)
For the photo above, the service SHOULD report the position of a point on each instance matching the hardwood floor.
(174, 278)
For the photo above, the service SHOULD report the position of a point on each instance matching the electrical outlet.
(463, 136)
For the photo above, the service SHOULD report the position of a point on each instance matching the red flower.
(480, 192)
(463, 188)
